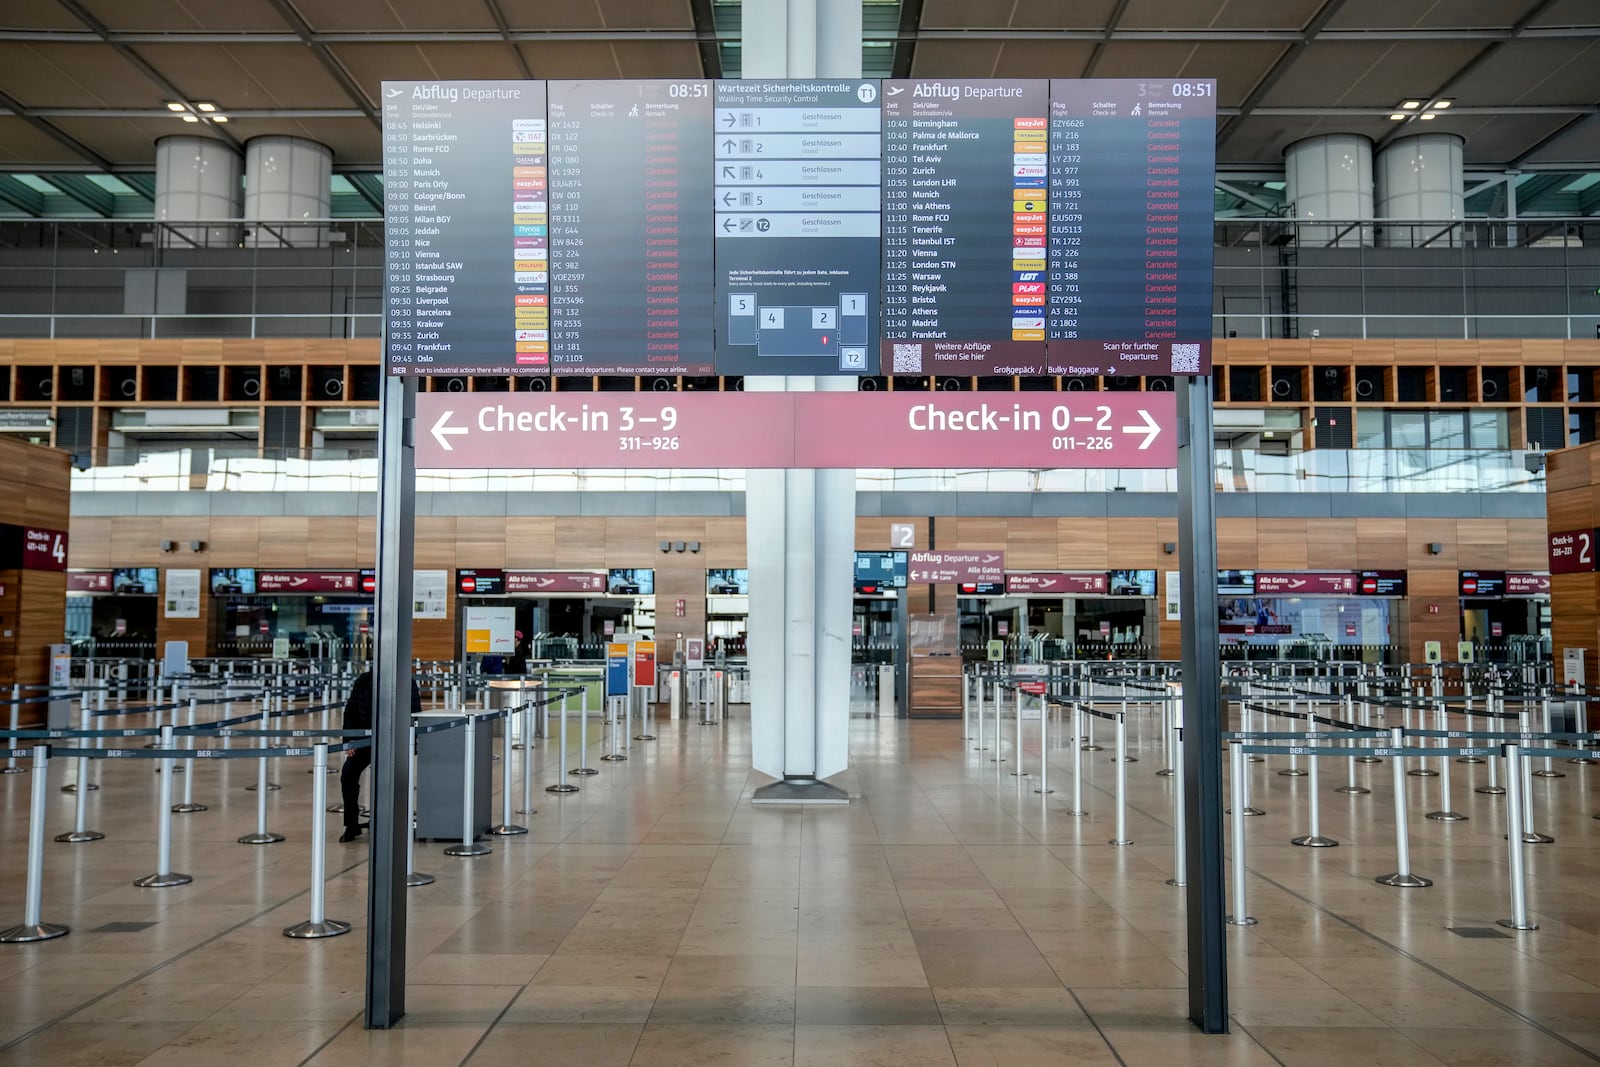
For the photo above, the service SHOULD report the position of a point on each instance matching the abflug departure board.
(630, 266)
(1132, 171)
(797, 226)
(965, 226)
(925, 226)
(466, 287)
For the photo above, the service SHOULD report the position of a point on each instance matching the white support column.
(800, 524)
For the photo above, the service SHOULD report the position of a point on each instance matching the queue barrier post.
(980, 746)
(1122, 837)
(1529, 834)
(318, 925)
(1315, 837)
(1294, 770)
(563, 786)
(645, 715)
(1403, 877)
(470, 845)
(506, 828)
(1044, 748)
(966, 706)
(999, 741)
(16, 712)
(1180, 817)
(261, 836)
(1467, 711)
(164, 877)
(527, 762)
(1494, 788)
(1516, 860)
(1446, 812)
(262, 784)
(188, 806)
(1548, 769)
(1077, 760)
(1172, 756)
(615, 706)
(583, 767)
(80, 832)
(32, 927)
(414, 878)
(1241, 912)
(1018, 770)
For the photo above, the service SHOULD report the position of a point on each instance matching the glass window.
(1408, 429)
(1370, 428)
(1447, 429)
(1489, 429)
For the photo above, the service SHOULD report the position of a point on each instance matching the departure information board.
(630, 266)
(797, 226)
(466, 286)
(964, 226)
(821, 227)
(1132, 174)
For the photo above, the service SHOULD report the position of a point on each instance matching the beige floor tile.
(981, 1006)
(740, 1005)
(407, 1045)
(1077, 971)
(872, 1046)
(866, 1006)
(93, 1044)
(865, 968)
(454, 968)
(982, 958)
(1028, 1046)
(145, 1002)
(695, 971)
(695, 1044)
(214, 1041)
(1310, 1046)
(591, 1044)
(1479, 1048)
(581, 1004)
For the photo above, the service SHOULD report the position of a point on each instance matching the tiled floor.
(948, 916)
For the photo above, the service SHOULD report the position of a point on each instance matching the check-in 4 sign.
(775, 430)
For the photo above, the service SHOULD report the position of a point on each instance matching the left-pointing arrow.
(1151, 430)
(442, 431)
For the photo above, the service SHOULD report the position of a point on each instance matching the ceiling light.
(206, 106)
(1410, 105)
(173, 105)
(1428, 116)
(219, 118)
(191, 118)
(1397, 117)
(1440, 105)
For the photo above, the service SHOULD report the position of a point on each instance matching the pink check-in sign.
(501, 431)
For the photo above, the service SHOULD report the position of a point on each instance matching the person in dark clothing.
(358, 715)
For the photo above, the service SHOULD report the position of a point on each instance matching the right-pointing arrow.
(1151, 430)
(442, 431)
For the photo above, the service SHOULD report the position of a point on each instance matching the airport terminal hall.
(799, 533)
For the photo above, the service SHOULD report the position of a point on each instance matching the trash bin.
(886, 691)
(440, 771)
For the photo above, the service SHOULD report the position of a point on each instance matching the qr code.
(1185, 359)
(907, 359)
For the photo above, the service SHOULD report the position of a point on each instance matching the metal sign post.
(1202, 706)
(391, 692)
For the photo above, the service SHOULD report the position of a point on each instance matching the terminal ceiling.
(85, 85)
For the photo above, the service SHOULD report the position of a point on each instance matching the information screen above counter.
(850, 227)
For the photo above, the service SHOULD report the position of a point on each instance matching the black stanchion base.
(1313, 841)
(1092, 748)
(561, 787)
(583, 770)
(188, 809)
(76, 837)
(644, 737)
(1445, 816)
(1351, 790)
(1044, 792)
(507, 829)
(68, 788)
(708, 722)
(1174, 883)
(1126, 759)
(1534, 837)
(163, 881)
(1165, 772)
(526, 811)
(1471, 759)
(1404, 880)
(1019, 774)
(261, 839)
(17, 770)
(1255, 759)
(19, 935)
(308, 930)
(1369, 759)
(613, 757)
(1512, 924)
(1248, 920)
(1250, 812)
(415, 879)
(1077, 814)
(1291, 772)
(1116, 841)
(468, 849)
(270, 787)
(1548, 774)
(1583, 760)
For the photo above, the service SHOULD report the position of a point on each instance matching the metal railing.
(1275, 277)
